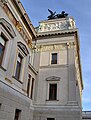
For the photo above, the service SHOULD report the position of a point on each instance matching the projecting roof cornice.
(25, 16)
(56, 33)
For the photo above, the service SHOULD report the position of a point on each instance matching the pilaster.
(71, 75)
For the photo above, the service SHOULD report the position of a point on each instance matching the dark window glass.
(0, 105)
(2, 48)
(53, 92)
(54, 58)
(32, 88)
(17, 114)
(28, 84)
(18, 67)
(50, 118)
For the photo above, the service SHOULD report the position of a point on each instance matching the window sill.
(52, 100)
(17, 79)
(3, 68)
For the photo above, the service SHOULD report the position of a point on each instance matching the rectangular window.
(54, 58)
(32, 87)
(28, 84)
(53, 92)
(50, 118)
(2, 48)
(0, 105)
(17, 114)
(18, 66)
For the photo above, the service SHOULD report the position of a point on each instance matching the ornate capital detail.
(18, 26)
(70, 44)
(3, 1)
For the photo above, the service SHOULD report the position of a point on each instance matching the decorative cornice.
(53, 78)
(17, 24)
(8, 27)
(23, 48)
(57, 33)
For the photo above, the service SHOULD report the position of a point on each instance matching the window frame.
(4, 39)
(7, 31)
(17, 114)
(29, 85)
(55, 61)
(3, 34)
(52, 91)
(32, 88)
(52, 80)
(19, 51)
(20, 65)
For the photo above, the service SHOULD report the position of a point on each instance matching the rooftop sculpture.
(53, 16)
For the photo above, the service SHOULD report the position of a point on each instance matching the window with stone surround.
(0, 106)
(21, 56)
(2, 47)
(52, 91)
(32, 88)
(7, 35)
(28, 84)
(54, 58)
(52, 88)
(18, 66)
(17, 114)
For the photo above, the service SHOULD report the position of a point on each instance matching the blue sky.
(81, 11)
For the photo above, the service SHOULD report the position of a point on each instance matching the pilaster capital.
(70, 44)
(3, 2)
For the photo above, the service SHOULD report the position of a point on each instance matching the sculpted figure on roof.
(53, 16)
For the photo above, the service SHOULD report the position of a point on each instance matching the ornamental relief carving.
(51, 48)
(68, 23)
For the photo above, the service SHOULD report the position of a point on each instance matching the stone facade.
(45, 59)
(63, 42)
(14, 94)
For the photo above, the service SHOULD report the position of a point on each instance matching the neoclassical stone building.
(40, 69)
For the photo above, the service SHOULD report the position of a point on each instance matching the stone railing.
(86, 114)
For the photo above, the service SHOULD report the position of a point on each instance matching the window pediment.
(23, 48)
(53, 78)
(8, 27)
